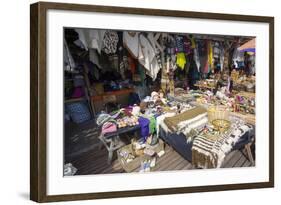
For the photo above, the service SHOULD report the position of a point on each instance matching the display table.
(184, 147)
(112, 140)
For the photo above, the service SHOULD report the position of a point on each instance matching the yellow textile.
(193, 44)
(210, 55)
(181, 60)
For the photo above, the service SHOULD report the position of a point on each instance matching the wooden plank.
(240, 162)
(178, 161)
(237, 155)
(187, 167)
(247, 163)
(183, 163)
(228, 158)
(168, 162)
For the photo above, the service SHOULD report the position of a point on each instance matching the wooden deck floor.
(95, 162)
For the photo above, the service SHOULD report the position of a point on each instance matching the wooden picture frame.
(38, 102)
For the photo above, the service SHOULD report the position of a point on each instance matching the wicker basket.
(218, 112)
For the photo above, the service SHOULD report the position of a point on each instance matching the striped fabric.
(208, 152)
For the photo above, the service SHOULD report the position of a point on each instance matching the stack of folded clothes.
(188, 120)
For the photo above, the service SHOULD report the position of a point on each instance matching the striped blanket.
(209, 152)
(183, 120)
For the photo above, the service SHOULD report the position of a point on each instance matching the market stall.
(145, 90)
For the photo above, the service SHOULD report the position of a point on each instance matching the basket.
(218, 112)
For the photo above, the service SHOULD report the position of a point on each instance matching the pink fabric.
(108, 127)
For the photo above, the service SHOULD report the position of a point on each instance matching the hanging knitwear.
(181, 60)
(179, 44)
(193, 44)
(110, 41)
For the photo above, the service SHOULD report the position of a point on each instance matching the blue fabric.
(144, 125)
(78, 112)
(179, 142)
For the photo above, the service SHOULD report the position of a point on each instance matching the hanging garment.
(206, 67)
(181, 60)
(187, 45)
(148, 57)
(210, 56)
(123, 61)
(196, 58)
(193, 42)
(222, 57)
(110, 41)
(67, 57)
(216, 50)
(91, 38)
(179, 44)
(94, 58)
(153, 39)
(203, 55)
(131, 42)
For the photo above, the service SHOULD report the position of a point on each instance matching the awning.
(249, 46)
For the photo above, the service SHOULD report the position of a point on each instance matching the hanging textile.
(181, 60)
(110, 41)
(203, 55)
(91, 38)
(222, 57)
(164, 79)
(206, 63)
(153, 39)
(94, 57)
(216, 50)
(148, 57)
(171, 83)
(179, 43)
(193, 43)
(210, 56)
(131, 42)
(187, 45)
(67, 58)
(196, 56)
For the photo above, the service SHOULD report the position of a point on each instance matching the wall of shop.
(14, 172)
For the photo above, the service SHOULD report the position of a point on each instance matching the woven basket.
(218, 112)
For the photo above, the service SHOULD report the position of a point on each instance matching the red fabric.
(132, 64)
